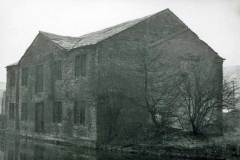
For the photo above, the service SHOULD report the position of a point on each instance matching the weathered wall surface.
(67, 90)
(119, 61)
(11, 96)
(169, 41)
(178, 54)
(71, 89)
(113, 82)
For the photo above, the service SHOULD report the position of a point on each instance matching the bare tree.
(231, 96)
(199, 102)
(159, 81)
(203, 97)
(148, 82)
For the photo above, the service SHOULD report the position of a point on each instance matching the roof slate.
(69, 43)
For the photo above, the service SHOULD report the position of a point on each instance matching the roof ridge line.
(56, 44)
(43, 32)
(141, 19)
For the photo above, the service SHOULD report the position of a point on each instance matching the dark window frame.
(24, 112)
(23, 156)
(57, 112)
(81, 65)
(57, 70)
(39, 78)
(11, 154)
(12, 78)
(39, 117)
(24, 77)
(79, 113)
(12, 111)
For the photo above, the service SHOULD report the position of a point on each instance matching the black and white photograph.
(119, 80)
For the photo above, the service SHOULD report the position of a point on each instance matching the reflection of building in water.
(81, 89)
(22, 150)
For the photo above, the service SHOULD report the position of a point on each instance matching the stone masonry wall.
(168, 40)
(11, 96)
(113, 80)
(67, 90)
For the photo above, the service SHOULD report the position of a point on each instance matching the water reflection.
(31, 150)
(20, 149)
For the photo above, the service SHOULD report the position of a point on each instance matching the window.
(57, 70)
(38, 152)
(184, 65)
(24, 76)
(39, 79)
(11, 155)
(57, 112)
(80, 65)
(23, 156)
(11, 111)
(39, 117)
(24, 112)
(12, 78)
(79, 112)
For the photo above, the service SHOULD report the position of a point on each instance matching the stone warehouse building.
(80, 89)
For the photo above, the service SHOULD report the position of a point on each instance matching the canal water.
(22, 149)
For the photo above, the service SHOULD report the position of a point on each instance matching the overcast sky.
(217, 22)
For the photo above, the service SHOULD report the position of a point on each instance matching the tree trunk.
(195, 130)
(155, 122)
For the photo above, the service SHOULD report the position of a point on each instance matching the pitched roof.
(65, 42)
(12, 64)
(69, 43)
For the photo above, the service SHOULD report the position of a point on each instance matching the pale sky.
(217, 22)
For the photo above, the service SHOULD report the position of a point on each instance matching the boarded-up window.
(57, 70)
(12, 78)
(24, 112)
(24, 76)
(57, 112)
(39, 79)
(81, 65)
(11, 111)
(79, 112)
